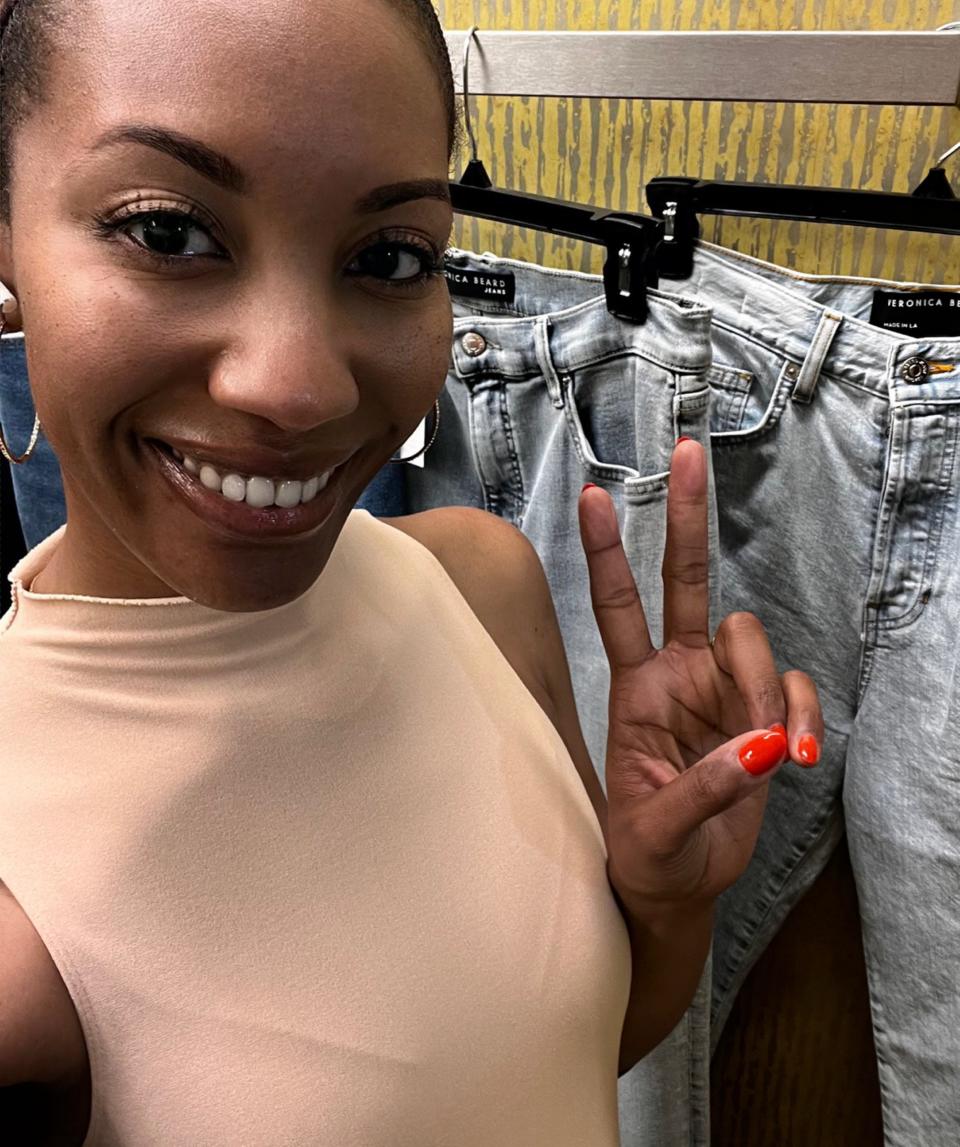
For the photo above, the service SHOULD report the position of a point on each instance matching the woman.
(301, 841)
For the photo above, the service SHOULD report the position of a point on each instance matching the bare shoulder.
(483, 556)
(501, 577)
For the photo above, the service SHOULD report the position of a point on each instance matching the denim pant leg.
(836, 485)
(902, 793)
(37, 484)
(794, 539)
(544, 394)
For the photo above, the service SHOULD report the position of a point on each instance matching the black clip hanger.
(935, 184)
(475, 174)
(686, 198)
(630, 267)
(631, 240)
(677, 207)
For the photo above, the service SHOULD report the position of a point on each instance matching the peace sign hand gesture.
(690, 751)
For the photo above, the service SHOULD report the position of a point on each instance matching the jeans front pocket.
(752, 384)
(624, 416)
(731, 389)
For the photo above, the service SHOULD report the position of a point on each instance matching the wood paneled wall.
(603, 151)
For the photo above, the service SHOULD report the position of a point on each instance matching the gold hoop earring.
(4, 449)
(436, 424)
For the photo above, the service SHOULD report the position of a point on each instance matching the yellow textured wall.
(603, 151)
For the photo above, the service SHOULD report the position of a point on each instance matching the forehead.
(316, 84)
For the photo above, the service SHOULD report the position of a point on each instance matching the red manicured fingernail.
(779, 729)
(684, 438)
(763, 753)
(809, 749)
(590, 486)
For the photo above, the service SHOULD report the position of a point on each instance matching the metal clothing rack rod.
(789, 67)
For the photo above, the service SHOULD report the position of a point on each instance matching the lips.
(239, 519)
(253, 461)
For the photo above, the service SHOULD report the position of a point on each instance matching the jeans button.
(915, 369)
(473, 343)
(792, 371)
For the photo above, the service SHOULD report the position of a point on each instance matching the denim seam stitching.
(647, 356)
(870, 614)
(575, 430)
(761, 344)
(896, 472)
(932, 545)
(722, 255)
(772, 417)
(623, 352)
(507, 425)
(791, 866)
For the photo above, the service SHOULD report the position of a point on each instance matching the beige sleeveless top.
(319, 875)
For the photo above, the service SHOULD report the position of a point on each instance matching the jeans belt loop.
(810, 371)
(541, 339)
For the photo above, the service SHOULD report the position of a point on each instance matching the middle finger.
(686, 599)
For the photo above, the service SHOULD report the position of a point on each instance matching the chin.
(243, 579)
(240, 599)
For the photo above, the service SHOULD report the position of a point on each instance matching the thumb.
(720, 780)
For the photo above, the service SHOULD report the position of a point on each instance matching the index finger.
(613, 590)
(686, 598)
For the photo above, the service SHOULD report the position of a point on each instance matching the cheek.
(86, 387)
(406, 358)
(71, 387)
(95, 384)
(88, 362)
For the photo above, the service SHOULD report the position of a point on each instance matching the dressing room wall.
(603, 151)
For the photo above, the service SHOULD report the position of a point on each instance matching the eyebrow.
(222, 171)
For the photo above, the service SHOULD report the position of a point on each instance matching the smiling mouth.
(224, 505)
(255, 490)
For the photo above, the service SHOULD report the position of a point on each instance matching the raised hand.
(696, 729)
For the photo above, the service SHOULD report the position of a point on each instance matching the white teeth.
(287, 493)
(311, 487)
(257, 492)
(210, 478)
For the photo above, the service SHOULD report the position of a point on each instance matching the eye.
(399, 264)
(169, 233)
(165, 235)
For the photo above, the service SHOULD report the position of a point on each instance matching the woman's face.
(285, 321)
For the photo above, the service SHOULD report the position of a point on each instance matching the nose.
(289, 363)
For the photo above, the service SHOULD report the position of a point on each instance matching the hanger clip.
(475, 175)
(934, 185)
(674, 201)
(629, 269)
